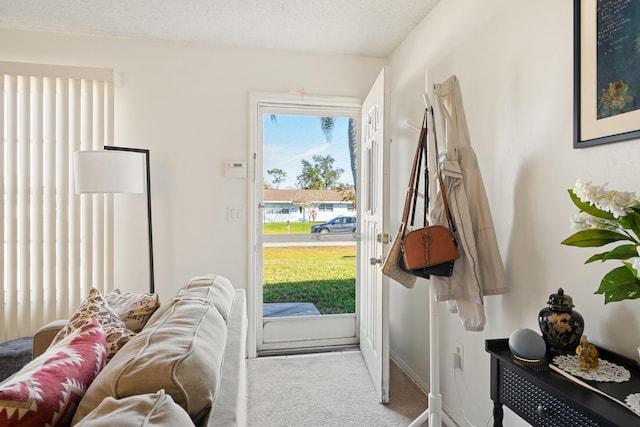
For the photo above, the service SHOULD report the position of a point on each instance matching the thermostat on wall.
(235, 169)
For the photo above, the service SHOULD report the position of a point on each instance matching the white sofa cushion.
(142, 410)
(214, 288)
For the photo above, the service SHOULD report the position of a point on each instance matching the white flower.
(584, 221)
(581, 189)
(580, 221)
(607, 201)
(614, 201)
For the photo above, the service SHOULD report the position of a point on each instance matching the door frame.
(254, 295)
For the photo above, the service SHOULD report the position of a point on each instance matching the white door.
(373, 214)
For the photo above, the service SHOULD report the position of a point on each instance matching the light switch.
(235, 213)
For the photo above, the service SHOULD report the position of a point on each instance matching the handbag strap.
(411, 198)
(422, 155)
(412, 191)
(452, 225)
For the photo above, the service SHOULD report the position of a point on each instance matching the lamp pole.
(146, 156)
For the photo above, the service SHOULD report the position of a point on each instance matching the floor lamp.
(116, 170)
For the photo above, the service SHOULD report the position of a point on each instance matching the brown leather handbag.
(432, 249)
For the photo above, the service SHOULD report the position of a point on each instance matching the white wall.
(189, 104)
(514, 60)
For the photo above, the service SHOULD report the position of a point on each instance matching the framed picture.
(606, 71)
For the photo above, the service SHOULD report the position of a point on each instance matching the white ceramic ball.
(527, 344)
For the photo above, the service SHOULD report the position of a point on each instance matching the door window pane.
(309, 180)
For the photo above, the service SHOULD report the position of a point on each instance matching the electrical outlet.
(458, 357)
(457, 361)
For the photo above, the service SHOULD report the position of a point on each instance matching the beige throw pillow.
(96, 306)
(134, 309)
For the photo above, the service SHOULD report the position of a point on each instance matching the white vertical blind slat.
(108, 221)
(53, 242)
(86, 209)
(75, 95)
(97, 239)
(24, 220)
(37, 195)
(3, 327)
(11, 224)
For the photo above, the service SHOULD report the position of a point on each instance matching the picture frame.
(606, 71)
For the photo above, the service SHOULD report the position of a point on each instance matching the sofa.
(186, 366)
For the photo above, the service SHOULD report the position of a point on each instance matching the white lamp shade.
(108, 171)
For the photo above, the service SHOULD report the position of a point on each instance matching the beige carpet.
(326, 389)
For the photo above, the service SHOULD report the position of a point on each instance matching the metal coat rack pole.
(434, 413)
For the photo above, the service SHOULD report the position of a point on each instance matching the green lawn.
(322, 275)
(292, 228)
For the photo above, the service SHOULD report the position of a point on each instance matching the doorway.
(305, 223)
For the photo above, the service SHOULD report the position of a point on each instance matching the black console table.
(543, 397)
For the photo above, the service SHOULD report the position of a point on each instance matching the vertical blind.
(56, 244)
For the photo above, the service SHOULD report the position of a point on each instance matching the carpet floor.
(326, 389)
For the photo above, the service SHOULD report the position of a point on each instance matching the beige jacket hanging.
(479, 270)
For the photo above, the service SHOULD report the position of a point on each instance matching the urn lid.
(560, 302)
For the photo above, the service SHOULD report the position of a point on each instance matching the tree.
(278, 176)
(311, 177)
(353, 149)
(327, 124)
(329, 174)
(327, 127)
(321, 175)
(308, 205)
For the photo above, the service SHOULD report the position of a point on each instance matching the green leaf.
(631, 222)
(619, 284)
(589, 208)
(621, 252)
(597, 257)
(594, 237)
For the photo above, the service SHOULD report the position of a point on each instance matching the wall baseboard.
(424, 386)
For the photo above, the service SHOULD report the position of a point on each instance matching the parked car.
(341, 224)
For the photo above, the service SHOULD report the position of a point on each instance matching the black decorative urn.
(560, 324)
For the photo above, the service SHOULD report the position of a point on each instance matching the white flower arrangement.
(608, 216)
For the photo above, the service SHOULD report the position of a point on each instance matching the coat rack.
(434, 413)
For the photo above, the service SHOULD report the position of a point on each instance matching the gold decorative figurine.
(588, 354)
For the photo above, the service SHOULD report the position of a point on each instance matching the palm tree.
(327, 124)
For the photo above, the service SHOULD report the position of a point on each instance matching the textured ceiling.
(357, 27)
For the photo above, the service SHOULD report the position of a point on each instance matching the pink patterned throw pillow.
(47, 390)
(96, 306)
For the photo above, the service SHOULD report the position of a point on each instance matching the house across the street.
(306, 205)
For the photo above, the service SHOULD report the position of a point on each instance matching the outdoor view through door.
(309, 227)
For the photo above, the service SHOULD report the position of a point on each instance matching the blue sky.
(290, 139)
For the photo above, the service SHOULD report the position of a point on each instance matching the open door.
(373, 213)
